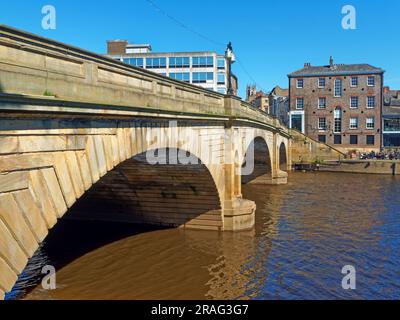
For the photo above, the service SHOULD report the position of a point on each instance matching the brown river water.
(305, 232)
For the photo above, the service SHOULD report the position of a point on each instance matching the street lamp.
(230, 58)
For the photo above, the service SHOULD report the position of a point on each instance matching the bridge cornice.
(30, 106)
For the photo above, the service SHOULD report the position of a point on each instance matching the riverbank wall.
(387, 167)
(307, 150)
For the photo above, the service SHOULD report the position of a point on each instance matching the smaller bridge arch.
(283, 157)
(257, 162)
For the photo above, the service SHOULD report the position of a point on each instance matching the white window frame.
(368, 107)
(320, 128)
(297, 104)
(351, 125)
(367, 123)
(301, 113)
(341, 88)
(358, 102)
(351, 82)
(297, 83)
(338, 119)
(371, 85)
(319, 85)
(319, 105)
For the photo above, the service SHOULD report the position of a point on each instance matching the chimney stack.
(331, 61)
(307, 64)
(386, 89)
(116, 47)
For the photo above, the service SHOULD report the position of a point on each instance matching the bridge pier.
(238, 213)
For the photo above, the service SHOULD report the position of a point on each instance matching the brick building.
(338, 104)
(391, 118)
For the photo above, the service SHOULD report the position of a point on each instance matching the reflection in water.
(305, 233)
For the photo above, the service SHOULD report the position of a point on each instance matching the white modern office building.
(205, 68)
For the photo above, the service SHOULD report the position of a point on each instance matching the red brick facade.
(360, 137)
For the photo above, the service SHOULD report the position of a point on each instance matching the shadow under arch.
(257, 165)
(168, 193)
(135, 197)
(283, 163)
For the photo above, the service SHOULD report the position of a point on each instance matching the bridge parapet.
(38, 67)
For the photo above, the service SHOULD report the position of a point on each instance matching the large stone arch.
(39, 185)
(167, 193)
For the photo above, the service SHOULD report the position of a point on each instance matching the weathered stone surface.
(121, 144)
(7, 278)
(13, 181)
(11, 251)
(64, 178)
(42, 143)
(108, 152)
(8, 145)
(43, 198)
(25, 161)
(92, 160)
(128, 142)
(100, 154)
(239, 214)
(75, 173)
(13, 218)
(114, 150)
(56, 193)
(76, 142)
(307, 150)
(85, 169)
(32, 213)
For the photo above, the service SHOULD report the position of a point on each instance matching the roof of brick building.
(336, 69)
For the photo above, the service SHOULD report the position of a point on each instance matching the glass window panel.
(371, 81)
(338, 88)
(353, 139)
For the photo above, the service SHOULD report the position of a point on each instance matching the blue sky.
(270, 38)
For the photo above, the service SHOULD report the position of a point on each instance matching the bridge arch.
(282, 146)
(283, 162)
(257, 162)
(38, 188)
(167, 193)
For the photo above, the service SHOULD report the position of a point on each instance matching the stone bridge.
(89, 136)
